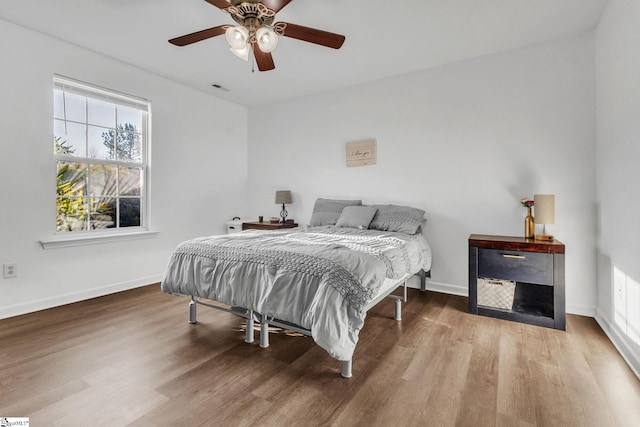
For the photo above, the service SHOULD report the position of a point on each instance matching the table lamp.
(283, 197)
(544, 206)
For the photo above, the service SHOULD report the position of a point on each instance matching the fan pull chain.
(253, 59)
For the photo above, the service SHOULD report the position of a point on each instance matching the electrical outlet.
(10, 270)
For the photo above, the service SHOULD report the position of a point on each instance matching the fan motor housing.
(241, 11)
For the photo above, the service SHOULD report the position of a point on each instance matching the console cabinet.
(536, 268)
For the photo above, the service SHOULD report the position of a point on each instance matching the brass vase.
(529, 226)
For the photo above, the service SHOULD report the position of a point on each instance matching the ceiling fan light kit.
(267, 39)
(241, 53)
(237, 37)
(255, 27)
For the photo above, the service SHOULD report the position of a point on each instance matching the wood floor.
(132, 359)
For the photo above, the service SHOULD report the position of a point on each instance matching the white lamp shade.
(267, 39)
(544, 206)
(237, 37)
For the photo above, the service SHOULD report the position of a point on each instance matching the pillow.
(327, 211)
(401, 219)
(356, 216)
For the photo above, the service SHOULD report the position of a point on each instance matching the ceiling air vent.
(217, 86)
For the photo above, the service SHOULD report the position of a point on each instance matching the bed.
(319, 280)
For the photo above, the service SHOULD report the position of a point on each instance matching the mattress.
(321, 278)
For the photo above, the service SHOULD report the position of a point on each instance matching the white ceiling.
(383, 38)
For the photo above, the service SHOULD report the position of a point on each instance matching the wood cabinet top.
(515, 244)
(255, 225)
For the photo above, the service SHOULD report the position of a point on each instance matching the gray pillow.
(327, 211)
(356, 216)
(401, 219)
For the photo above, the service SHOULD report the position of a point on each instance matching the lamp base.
(283, 215)
(544, 237)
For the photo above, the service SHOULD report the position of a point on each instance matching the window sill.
(71, 240)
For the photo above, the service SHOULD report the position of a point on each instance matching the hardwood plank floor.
(132, 359)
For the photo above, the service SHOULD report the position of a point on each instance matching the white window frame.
(84, 237)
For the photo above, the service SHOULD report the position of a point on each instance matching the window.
(100, 147)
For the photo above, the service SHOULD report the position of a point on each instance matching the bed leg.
(397, 309)
(249, 332)
(423, 280)
(192, 311)
(346, 368)
(264, 332)
(404, 294)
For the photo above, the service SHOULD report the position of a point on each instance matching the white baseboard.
(43, 304)
(444, 288)
(630, 354)
(581, 310)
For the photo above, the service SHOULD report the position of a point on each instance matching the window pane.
(72, 179)
(103, 213)
(129, 212)
(75, 107)
(130, 181)
(59, 130)
(58, 104)
(128, 146)
(59, 137)
(101, 143)
(129, 116)
(101, 113)
(103, 180)
(70, 214)
(75, 136)
(69, 143)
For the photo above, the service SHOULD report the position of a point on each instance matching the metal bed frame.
(265, 321)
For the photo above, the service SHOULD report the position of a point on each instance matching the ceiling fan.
(256, 31)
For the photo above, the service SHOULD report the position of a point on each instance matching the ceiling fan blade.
(274, 5)
(264, 60)
(199, 36)
(312, 35)
(222, 4)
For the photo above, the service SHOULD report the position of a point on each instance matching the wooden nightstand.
(255, 225)
(536, 267)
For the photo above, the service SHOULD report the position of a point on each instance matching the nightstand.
(528, 272)
(255, 225)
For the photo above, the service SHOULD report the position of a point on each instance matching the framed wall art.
(361, 153)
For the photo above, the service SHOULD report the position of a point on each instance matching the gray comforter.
(320, 278)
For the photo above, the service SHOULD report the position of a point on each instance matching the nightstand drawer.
(528, 267)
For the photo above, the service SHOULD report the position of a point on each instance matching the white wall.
(198, 173)
(618, 174)
(464, 142)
